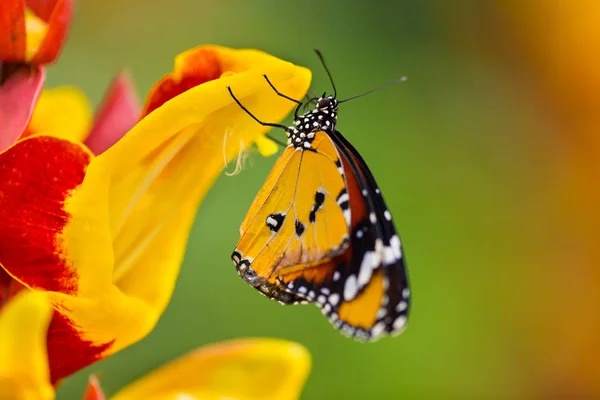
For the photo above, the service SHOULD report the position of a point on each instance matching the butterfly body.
(319, 232)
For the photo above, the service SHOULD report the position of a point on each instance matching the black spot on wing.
(319, 200)
(299, 228)
(275, 221)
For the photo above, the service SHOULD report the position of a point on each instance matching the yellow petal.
(121, 221)
(266, 146)
(24, 370)
(251, 369)
(36, 29)
(62, 112)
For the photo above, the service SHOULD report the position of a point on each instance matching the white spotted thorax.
(322, 117)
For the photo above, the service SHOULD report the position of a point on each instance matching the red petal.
(12, 31)
(117, 114)
(58, 27)
(42, 8)
(68, 352)
(5, 281)
(37, 175)
(192, 68)
(18, 96)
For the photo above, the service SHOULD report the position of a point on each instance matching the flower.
(32, 34)
(241, 369)
(33, 31)
(105, 235)
(19, 93)
(265, 369)
(24, 370)
(65, 112)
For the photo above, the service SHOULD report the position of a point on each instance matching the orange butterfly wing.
(295, 223)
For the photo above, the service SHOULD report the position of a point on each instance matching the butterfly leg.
(252, 115)
(299, 103)
(279, 93)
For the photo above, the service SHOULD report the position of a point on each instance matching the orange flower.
(105, 235)
(32, 34)
(33, 31)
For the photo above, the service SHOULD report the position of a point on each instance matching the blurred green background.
(475, 159)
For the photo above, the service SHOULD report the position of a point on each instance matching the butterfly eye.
(324, 103)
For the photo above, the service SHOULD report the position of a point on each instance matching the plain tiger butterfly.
(319, 230)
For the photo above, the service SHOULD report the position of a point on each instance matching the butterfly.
(319, 230)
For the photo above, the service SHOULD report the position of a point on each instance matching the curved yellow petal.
(62, 112)
(133, 212)
(247, 369)
(24, 370)
(118, 224)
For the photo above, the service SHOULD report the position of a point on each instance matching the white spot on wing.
(369, 262)
(348, 330)
(399, 323)
(347, 216)
(402, 306)
(388, 255)
(271, 221)
(344, 197)
(387, 215)
(378, 329)
(334, 298)
(350, 288)
(396, 246)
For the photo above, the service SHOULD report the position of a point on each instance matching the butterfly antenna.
(326, 69)
(402, 79)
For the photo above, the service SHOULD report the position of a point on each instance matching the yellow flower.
(245, 369)
(24, 372)
(105, 235)
(265, 369)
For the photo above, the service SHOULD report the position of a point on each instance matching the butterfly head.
(327, 103)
